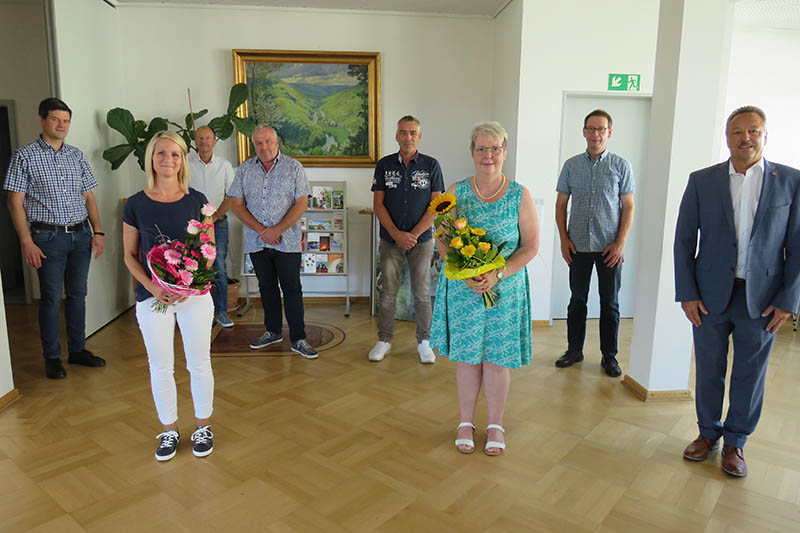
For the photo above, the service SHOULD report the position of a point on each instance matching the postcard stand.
(324, 245)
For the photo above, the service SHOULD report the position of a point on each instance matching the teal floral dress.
(462, 329)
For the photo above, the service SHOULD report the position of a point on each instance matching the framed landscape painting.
(324, 105)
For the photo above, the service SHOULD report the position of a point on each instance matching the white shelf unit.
(326, 221)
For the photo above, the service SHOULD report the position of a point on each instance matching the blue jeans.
(65, 268)
(221, 283)
(608, 284)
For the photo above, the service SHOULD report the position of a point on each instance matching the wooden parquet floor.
(341, 444)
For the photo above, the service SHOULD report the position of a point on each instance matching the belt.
(738, 283)
(66, 229)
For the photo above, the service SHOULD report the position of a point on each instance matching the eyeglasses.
(592, 129)
(495, 150)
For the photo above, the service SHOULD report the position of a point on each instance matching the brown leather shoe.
(699, 449)
(733, 461)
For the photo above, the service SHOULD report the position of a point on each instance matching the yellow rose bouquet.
(470, 252)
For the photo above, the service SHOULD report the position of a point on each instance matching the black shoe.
(569, 358)
(53, 369)
(168, 445)
(303, 348)
(85, 358)
(203, 441)
(611, 366)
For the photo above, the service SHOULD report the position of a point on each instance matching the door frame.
(562, 156)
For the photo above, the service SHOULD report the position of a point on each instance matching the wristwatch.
(501, 273)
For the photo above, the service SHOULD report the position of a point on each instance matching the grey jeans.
(419, 268)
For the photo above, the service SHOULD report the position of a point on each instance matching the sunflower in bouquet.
(471, 253)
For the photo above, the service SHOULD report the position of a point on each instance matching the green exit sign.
(624, 82)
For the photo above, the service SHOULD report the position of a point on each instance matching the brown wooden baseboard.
(655, 396)
(541, 323)
(9, 398)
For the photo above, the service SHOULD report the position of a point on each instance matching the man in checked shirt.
(601, 187)
(55, 214)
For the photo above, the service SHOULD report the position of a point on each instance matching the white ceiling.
(768, 14)
(479, 8)
(750, 14)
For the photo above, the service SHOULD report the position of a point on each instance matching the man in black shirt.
(403, 185)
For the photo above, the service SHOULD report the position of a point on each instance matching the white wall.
(23, 63)
(431, 67)
(763, 72)
(571, 45)
(505, 63)
(6, 377)
(89, 66)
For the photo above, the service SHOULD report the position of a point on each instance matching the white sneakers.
(426, 354)
(379, 351)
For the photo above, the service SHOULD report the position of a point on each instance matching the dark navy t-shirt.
(407, 190)
(153, 218)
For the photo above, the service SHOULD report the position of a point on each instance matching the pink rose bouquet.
(185, 268)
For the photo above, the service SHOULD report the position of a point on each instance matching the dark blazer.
(707, 272)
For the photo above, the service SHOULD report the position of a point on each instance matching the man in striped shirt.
(601, 187)
(55, 214)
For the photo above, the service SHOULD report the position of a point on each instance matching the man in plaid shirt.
(55, 214)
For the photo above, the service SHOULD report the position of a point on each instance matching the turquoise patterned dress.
(462, 329)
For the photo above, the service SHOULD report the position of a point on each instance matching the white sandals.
(493, 444)
(465, 442)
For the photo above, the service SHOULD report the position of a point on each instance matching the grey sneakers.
(265, 340)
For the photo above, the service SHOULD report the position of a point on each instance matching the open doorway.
(631, 114)
(11, 266)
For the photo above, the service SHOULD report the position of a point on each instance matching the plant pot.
(233, 295)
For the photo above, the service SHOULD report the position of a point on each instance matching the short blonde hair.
(183, 172)
(492, 129)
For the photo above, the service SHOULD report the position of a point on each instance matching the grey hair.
(746, 109)
(409, 118)
(263, 126)
(492, 129)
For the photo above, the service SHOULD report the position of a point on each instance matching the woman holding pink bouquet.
(486, 336)
(168, 210)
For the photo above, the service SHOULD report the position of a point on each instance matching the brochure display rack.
(324, 242)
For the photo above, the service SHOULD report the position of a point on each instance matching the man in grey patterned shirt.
(601, 187)
(269, 194)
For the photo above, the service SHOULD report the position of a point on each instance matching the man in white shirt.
(212, 175)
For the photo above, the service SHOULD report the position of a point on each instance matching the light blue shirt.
(595, 187)
(268, 196)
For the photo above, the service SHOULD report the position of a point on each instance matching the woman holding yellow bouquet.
(486, 338)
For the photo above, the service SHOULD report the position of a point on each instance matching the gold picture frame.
(325, 106)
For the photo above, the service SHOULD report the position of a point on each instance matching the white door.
(631, 125)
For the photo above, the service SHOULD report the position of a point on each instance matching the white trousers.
(194, 317)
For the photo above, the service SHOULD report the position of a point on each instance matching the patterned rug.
(235, 341)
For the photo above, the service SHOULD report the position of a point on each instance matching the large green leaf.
(218, 124)
(140, 126)
(116, 155)
(122, 120)
(245, 126)
(227, 130)
(156, 125)
(139, 152)
(239, 93)
(188, 119)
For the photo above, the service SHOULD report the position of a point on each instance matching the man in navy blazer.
(742, 280)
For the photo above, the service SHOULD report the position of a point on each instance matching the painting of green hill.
(316, 109)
